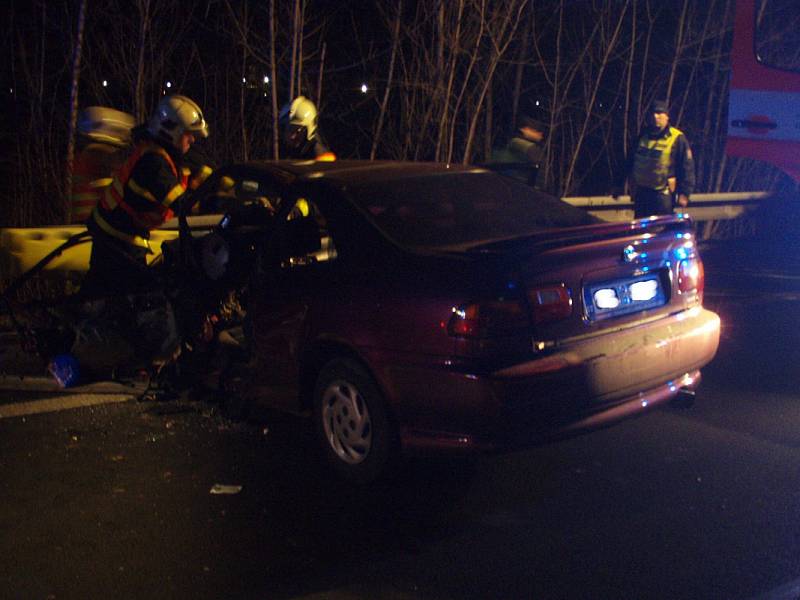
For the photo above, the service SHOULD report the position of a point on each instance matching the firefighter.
(104, 136)
(300, 136)
(142, 195)
(661, 168)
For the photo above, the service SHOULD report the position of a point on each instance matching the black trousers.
(116, 267)
(647, 202)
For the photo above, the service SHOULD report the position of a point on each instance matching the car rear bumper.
(586, 383)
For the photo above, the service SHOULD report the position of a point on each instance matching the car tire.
(351, 422)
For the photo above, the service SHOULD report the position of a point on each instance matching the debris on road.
(64, 369)
(219, 488)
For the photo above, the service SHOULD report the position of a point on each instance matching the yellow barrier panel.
(21, 248)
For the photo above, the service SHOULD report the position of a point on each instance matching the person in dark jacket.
(521, 156)
(661, 168)
(142, 195)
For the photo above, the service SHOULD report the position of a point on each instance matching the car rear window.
(459, 209)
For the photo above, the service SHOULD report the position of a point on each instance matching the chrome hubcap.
(346, 422)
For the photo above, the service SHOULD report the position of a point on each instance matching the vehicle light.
(484, 319)
(691, 275)
(606, 298)
(550, 303)
(644, 290)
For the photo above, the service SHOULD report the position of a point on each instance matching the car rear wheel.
(351, 422)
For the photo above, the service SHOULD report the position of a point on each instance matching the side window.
(307, 238)
(777, 35)
(227, 194)
(249, 192)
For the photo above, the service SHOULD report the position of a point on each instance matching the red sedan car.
(411, 306)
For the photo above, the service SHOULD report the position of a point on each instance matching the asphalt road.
(114, 500)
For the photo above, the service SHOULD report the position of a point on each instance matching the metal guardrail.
(21, 248)
(702, 207)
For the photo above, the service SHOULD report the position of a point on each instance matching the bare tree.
(450, 78)
(389, 79)
(73, 104)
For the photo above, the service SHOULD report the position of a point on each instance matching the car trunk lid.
(582, 281)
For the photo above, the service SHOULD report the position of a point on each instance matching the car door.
(298, 268)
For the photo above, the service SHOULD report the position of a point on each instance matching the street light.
(364, 88)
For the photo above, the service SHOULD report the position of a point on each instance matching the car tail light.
(484, 319)
(691, 275)
(550, 303)
(494, 317)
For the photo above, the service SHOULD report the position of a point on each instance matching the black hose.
(5, 297)
(75, 240)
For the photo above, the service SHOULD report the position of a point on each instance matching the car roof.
(351, 172)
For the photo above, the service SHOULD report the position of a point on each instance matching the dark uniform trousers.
(647, 202)
(115, 267)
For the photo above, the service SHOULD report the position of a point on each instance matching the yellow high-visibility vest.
(652, 165)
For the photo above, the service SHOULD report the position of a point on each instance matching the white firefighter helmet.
(300, 112)
(104, 124)
(175, 115)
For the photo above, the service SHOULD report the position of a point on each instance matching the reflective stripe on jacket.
(85, 196)
(196, 179)
(652, 166)
(133, 240)
(92, 171)
(132, 208)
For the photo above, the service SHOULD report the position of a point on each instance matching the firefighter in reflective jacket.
(661, 168)
(142, 195)
(300, 136)
(104, 140)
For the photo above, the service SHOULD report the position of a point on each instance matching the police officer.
(661, 168)
(142, 195)
(300, 137)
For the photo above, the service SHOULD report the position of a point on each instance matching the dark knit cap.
(659, 106)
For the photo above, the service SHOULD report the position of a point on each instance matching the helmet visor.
(198, 127)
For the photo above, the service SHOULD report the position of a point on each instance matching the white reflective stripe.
(134, 240)
(141, 191)
(116, 186)
(112, 193)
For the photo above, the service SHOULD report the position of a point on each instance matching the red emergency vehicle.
(764, 105)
